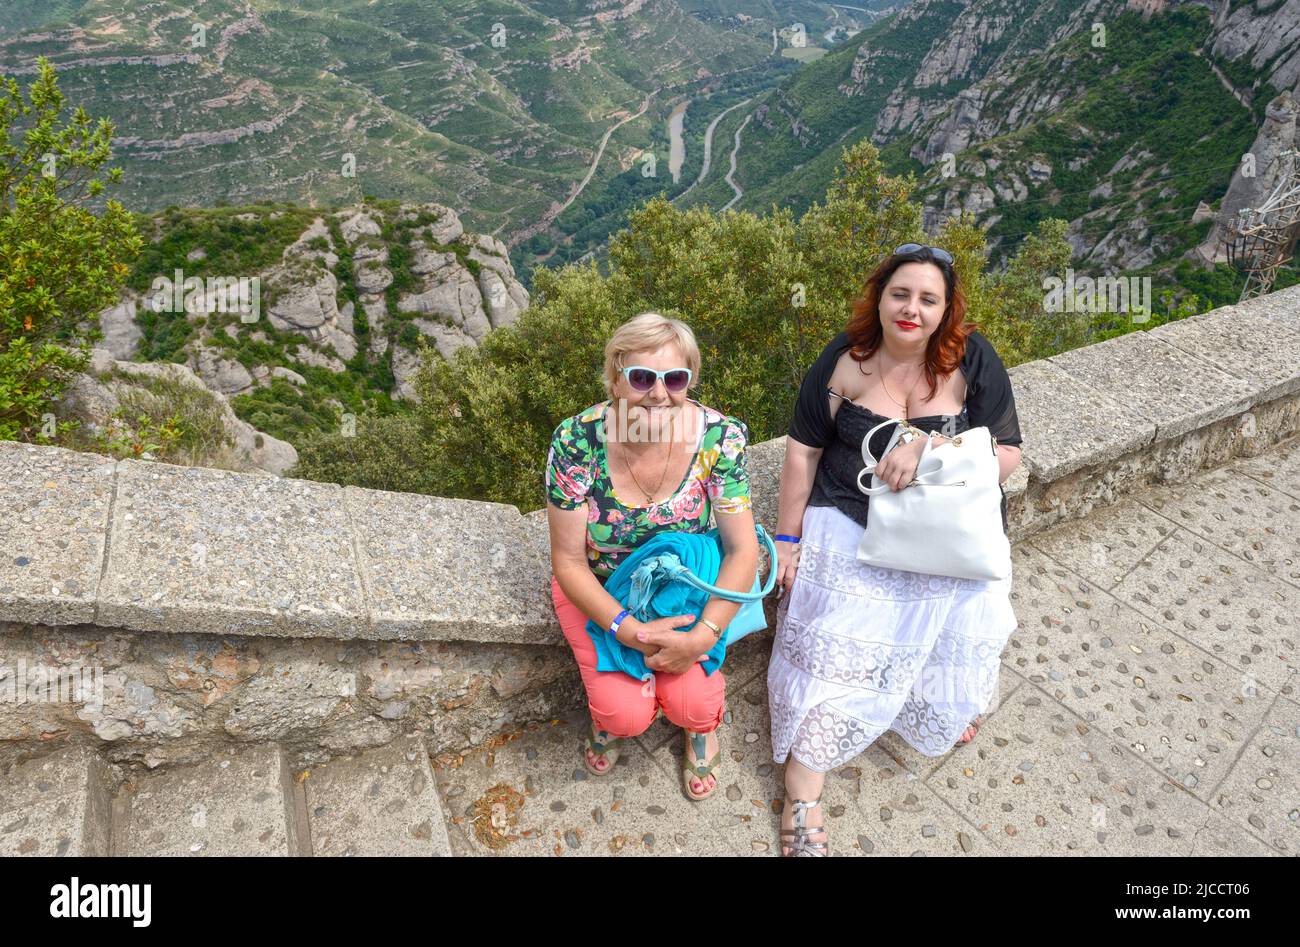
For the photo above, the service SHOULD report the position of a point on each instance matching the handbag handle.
(873, 463)
(690, 578)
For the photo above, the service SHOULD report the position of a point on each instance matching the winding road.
(708, 147)
(600, 152)
(734, 151)
(550, 216)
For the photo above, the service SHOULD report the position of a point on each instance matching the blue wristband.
(782, 538)
(618, 620)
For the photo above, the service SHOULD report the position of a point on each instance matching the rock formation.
(96, 394)
(1250, 190)
(464, 287)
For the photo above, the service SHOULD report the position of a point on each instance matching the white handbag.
(949, 520)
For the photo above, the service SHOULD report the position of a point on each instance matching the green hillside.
(1150, 94)
(494, 108)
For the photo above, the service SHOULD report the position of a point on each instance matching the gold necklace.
(902, 404)
(648, 496)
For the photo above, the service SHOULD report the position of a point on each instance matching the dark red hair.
(947, 345)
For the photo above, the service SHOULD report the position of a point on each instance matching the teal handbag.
(750, 617)
(655, 581)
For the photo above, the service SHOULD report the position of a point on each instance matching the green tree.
(763, 295)
(1012, 308)
(61, 260)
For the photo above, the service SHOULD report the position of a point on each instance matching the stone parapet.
(242, 607)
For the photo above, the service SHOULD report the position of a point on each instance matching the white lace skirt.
(862, 649)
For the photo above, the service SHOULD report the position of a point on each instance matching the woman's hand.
(787, 566)
(629, 633)
(677, 650)
(898, 467)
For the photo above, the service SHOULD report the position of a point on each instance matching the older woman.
(645, 460)
(862, 649)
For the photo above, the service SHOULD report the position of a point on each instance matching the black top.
(989, 403)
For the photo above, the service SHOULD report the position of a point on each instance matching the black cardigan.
(989, 403)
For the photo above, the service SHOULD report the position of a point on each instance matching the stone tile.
(1238, 514)
(1163, 699)
(765, 460)
(201, 550)
(1108, 543)
(1220, 836)
(904, 816)
(1054, 406)
(1014, 490)
(1230, 608)
(237, 803)
(661, 729)
(544, 802)
(54, 507)
(1262, 792)
(745, 662)
(381, 802)
(1030, 576)
(58, 804)
(427, 578)
(873, 806)
(52, 826)
(1279, 468)
(1043, 782)
(1244, 343)
(748, 658)
(1162, 384)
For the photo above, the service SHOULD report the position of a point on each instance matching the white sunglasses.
(643, 379)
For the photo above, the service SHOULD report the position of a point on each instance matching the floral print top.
(577, 472)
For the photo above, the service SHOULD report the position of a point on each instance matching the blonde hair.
(647, 332)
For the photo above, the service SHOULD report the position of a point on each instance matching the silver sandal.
(799, 843)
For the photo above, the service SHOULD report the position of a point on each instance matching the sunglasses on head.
(643, 379)
(940, 254)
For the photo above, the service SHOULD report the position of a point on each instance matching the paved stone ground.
(1147, 706)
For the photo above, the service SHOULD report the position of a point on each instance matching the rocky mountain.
(1265, 35)
(1128, 118)
(326, 319)
(1024, 133)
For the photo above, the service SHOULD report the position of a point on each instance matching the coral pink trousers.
(625, 707)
